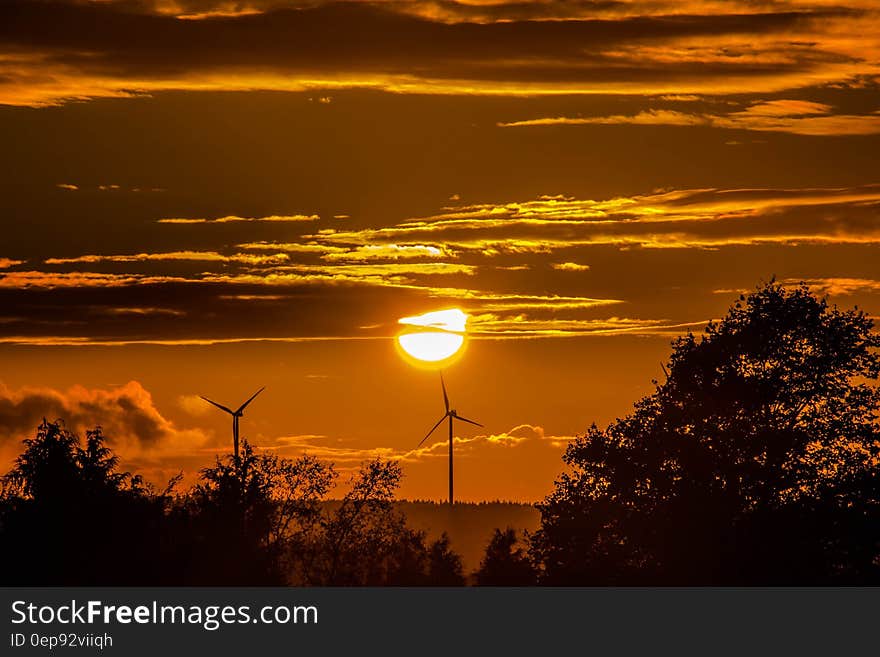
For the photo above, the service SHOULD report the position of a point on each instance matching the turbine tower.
(452, 415)
(235, 415)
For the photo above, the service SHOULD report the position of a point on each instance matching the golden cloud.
(141, 311)
(570, 266)
(647, 117)
(798, 117)
(234, 219)
(322, 446)
(839, 286)
(198, 256)
(388, 252)
(78, 341)
(690, 218)
(54, 280)
(295, 247)
(523, 326)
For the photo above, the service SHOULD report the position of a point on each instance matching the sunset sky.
(202, 197)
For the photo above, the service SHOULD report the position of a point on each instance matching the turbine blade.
(434, 428)
(254, 396)
(464, 419)
(445, 397)
(220, 406)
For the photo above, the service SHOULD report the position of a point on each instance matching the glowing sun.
(433, 337)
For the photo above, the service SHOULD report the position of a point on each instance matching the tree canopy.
(506, 563)
(755, 461)
(68, 516)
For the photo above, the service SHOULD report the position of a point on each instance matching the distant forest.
(754, 462)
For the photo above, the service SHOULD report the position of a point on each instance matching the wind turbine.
(452, 414)
(235, 415)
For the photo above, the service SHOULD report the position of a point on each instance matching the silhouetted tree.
(444, 565)
(238, 525)
(753, 462)
(505, 562)
(68, 516)
(363, 540)
(355, 539)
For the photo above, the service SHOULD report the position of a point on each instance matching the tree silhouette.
(48, 466)
(238, 524)
(363, 540)
(68, 516)
(753, 462)
(505, 563)
(355, 539)
(444, 565)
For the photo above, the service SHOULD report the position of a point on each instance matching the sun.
(434, 337)
(431, 346)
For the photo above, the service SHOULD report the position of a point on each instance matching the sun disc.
(433, 337)
(431, 346)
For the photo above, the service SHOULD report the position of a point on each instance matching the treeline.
(68, 516)
(756, 461)
(470, 525)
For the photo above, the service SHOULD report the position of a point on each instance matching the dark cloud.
(107, 48)
(192, 311)
(127, 414)
(352, 36)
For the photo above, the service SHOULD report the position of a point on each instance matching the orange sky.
(204, 196)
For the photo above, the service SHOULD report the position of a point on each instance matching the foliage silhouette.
(364, 540)
(755, 462)
(444, 565)
(239, 523)
(505, 562)
(67, 516)
(469, 525)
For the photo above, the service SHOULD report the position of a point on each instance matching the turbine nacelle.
(236, 414)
